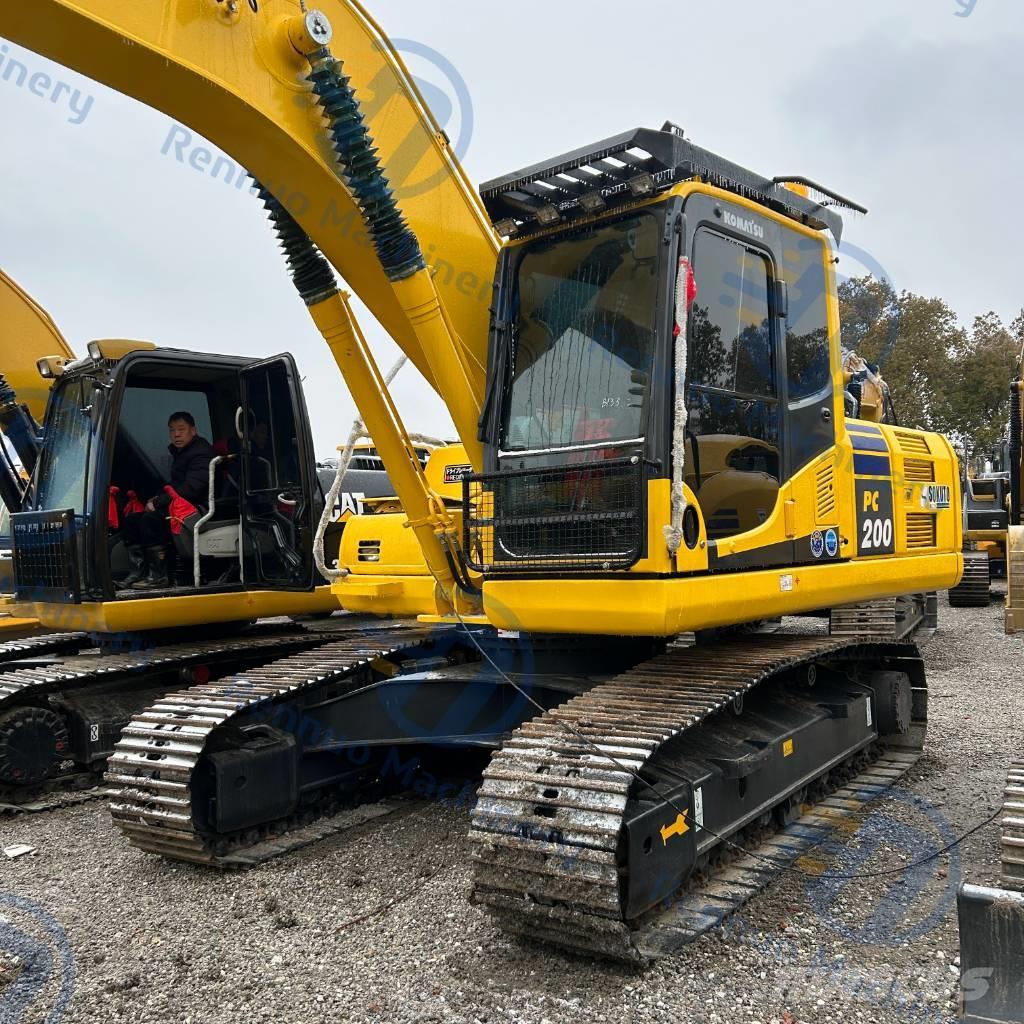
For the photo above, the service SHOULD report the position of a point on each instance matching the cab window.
(733, 462)
(807, 351)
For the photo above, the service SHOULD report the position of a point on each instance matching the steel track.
(569, 892)
(152, 769)
(39, 646)
(1013, 829)
(34, 685)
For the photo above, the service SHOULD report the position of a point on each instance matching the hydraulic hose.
(19, 426)
(398, 248)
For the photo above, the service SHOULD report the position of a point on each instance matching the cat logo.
(349, 504)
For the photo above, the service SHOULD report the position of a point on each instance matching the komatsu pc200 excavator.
(638, 342)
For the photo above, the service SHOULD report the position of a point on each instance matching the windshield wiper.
(505, 336)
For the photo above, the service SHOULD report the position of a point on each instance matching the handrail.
(212, 509)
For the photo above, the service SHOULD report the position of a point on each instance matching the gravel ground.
(120, 936)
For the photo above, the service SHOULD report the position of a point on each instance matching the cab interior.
(255, 524)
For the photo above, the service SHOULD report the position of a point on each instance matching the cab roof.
(640, 163)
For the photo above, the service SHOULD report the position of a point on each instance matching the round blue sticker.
(817, 544)
(832, 543)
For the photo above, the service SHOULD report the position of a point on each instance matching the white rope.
(674, 531)
(358, 434)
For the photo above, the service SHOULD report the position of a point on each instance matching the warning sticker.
(454, 474)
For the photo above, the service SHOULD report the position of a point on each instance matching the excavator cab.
(105, 454)
(582, 419)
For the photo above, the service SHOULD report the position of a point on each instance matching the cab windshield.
(61, 473)
(584, 338)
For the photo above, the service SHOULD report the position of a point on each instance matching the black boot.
(157, 578)
(137, 559)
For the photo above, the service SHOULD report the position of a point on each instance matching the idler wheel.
(33, 742)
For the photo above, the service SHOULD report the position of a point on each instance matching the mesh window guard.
(586, 517)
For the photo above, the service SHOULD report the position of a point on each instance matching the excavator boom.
(228, 71)
(29, 334)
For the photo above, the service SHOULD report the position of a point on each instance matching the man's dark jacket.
(190, 473)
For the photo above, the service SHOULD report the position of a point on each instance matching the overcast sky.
(902, 105)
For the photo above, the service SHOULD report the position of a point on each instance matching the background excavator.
(993, 521)
(106, 414)
(986, 492)
(598, 325)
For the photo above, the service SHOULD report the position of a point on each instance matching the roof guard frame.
(613, 168)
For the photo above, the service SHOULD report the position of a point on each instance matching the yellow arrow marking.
(677, 828)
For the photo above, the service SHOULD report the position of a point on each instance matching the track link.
(151, 771)
(973, 591)
(40, 646)
(35, 685)
(567, 891)
(1013, 829)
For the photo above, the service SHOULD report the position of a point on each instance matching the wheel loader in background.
(597, 324)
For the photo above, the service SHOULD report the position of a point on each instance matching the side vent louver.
(920, 530)
(369, 550)
(912, 444)
(919, 471)
(825, 513)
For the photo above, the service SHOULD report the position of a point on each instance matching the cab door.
(277, 475)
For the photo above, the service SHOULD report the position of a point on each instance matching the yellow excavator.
(597, 324)
(986, 495)
(28, 334)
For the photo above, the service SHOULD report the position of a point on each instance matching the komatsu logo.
(745, 224)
